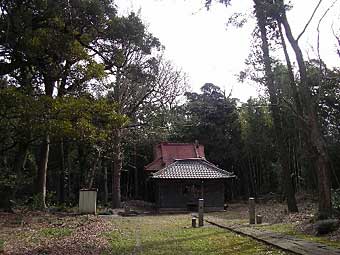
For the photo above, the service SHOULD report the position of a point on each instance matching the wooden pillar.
(202, 189)
(251, 210)
(200, 212)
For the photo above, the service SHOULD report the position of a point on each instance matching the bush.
(35, 202)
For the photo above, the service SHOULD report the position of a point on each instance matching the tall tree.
(40, 50)
(211, 118)
(260, 12)
(127, 51)
(315, 144)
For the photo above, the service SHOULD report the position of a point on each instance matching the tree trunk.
(252, 189)
(280, 139)
(315, 141)
(44, 151)
(116, 169)
(106, 190)
(96, 165)
(81, 158)
(68, 173)
(42, 171)
(323, 172)
(117, 153)
(61, 195)
(136, 173)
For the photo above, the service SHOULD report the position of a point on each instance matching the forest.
(86, 93)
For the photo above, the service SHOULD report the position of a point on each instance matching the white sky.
(197, 40)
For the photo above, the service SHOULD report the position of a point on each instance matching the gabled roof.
(193, 168)
(167, 153)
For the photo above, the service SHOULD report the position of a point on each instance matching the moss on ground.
(290, 229)
(173, 235)
(2, 245)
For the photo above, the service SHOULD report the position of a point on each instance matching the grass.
(2, 245)
(290, 229)
(173, 235)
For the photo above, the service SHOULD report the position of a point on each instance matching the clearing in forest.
(162, 234)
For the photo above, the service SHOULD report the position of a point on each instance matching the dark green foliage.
(259, 155)
(2, 245)
(212, 119)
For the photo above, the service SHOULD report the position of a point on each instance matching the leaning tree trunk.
(315, 140)
(276, 113)
(116, 169)
(44, 152)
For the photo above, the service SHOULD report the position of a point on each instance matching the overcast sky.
(199, 42)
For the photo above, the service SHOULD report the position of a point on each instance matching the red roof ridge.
(176, 144)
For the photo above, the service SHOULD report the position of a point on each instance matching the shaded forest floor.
(40, 233)
(65, 233)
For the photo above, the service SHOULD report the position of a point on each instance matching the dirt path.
(284, 242)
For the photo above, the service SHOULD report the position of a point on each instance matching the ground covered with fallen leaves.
(43, 233)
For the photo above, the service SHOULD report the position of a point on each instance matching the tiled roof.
(195, 168)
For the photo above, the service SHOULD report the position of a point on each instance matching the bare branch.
(309, 21)
(318, 42)
(318, 27)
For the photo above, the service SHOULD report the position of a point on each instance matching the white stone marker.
(251, 210)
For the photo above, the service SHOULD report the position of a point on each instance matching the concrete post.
(193, 222)
(259, 219)
(200, 211)
(88, 201)
(251, 210)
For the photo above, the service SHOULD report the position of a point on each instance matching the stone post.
(259, 219)
(88, 201)
(200, 211)
(193, 222)
(251, 210)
